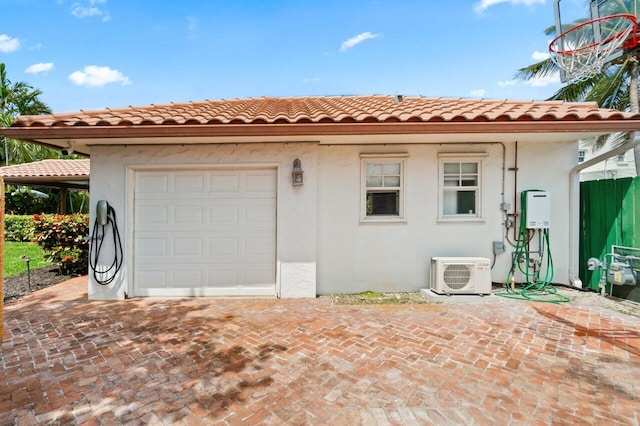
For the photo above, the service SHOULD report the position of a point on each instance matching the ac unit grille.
(456, 277)
(460, 275)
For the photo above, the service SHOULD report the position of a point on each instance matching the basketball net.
(580, 54)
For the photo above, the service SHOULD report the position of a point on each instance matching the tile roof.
(342, 109)
(72, 169)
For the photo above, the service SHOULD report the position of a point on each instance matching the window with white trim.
(382, 188)
(582, 153)
(460, 187)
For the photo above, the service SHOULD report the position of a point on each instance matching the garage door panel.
(151, 246)
(205, 232)
(222, 278)
(257, 277)
(153, 213)
(155, 182)
(224, 182)
(224, 214)
(225, 242)
(150, 278)
(187, 215)
(187, 247)
(260, 182)
(258, 214)
(259, 246)
(224, 246)
(188, 182)
(187, 278)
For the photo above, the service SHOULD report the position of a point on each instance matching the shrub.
(18, 227)
(62, 238)
(27, 201)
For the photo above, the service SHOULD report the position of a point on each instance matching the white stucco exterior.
(113, 169)
(323, 245)
(616, 167)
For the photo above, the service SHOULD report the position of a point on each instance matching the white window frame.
(396, 158)
(582, 153)
(461, 158)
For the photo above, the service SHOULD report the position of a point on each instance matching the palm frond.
(538, 70)
(20, 98)
(612, 140)
(574, 92)
(610, 89)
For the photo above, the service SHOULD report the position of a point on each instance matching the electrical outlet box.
(538, 210)
(498, 247)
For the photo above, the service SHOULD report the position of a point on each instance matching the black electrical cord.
(105, 276)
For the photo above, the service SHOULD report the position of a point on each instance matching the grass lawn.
(14, 265)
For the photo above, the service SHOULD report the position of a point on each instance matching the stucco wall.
(111, 180)
(323, 246)
(354, 256)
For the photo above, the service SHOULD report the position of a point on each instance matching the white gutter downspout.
(574, 202)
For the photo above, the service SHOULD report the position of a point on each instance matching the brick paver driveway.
(248, 361)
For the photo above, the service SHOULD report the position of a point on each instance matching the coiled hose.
(535, 288)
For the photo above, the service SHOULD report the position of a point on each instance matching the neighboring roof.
(312, 116)
(69, 173)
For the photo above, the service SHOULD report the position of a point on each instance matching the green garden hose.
(535, 289)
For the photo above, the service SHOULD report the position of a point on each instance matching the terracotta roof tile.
(348, 109)
(47, 168)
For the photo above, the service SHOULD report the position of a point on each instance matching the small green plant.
(14, 254)
(18, 227)
(62, 237)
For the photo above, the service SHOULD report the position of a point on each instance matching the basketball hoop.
(582, 51)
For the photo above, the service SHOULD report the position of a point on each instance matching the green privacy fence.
(609, 215)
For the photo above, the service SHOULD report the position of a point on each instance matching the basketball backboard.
(588, 40)
(601, 8)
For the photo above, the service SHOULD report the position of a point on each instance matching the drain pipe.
(574, 201)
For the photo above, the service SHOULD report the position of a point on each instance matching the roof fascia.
(91, 132)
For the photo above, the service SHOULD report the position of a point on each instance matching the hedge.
(62, 238)
(19, 227)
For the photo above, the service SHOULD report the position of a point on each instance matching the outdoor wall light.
(68, 150)
(296, 174)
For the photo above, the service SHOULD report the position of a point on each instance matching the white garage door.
(205, 233)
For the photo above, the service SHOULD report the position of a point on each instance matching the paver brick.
(269, 361)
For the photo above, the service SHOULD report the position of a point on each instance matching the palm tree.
(615, 87)
(20, 99)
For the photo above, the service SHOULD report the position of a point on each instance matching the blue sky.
(92, 54)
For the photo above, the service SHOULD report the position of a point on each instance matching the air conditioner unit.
(461, 275)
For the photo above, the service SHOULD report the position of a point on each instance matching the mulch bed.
(24, 283)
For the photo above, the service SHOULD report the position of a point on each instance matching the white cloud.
(39, 67)
(507, 83)
(483, 5)
(88, 9)
(192, 23)
(346, 45)
(36, 46)
(553, 78)
(8, 44)
(478, 93)
(95, 76)
(192, 27)
(539, 56)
